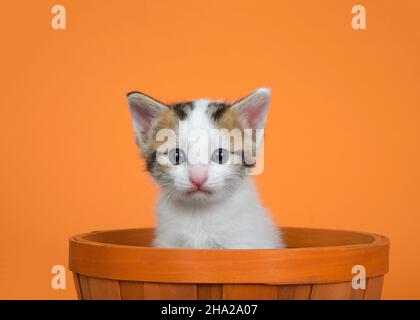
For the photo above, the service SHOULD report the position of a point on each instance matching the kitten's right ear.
(144, 112)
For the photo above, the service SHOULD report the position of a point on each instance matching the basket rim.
(325, 264)
(377, 239)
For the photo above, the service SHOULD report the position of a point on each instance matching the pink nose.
(198, 175)
(198, 181)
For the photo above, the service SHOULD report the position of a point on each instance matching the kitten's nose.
(198, 175)
(198, 182)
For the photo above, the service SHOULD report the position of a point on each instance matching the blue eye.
(220, 156)
(176, 156)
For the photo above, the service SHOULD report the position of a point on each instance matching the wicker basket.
(120, 264)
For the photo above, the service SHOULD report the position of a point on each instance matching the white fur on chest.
(237, 222)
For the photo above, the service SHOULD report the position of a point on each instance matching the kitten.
(208, 200)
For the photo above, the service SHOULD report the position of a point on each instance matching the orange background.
(342, 147)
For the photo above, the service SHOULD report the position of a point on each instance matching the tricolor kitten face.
(189, 147)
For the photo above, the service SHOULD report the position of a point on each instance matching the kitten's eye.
(176, 156)
(220, 156)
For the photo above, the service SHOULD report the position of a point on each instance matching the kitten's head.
(199, 151)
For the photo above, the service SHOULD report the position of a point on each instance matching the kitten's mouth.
(199, 191)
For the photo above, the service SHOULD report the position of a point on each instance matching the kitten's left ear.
(253, 109)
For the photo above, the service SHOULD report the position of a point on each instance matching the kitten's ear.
(253, 109)
(144, 112)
